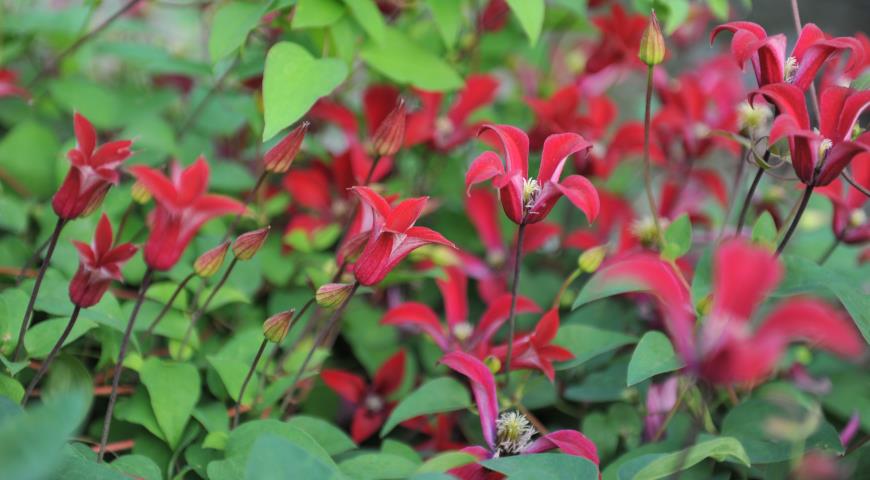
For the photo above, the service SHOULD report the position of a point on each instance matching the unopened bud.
(332, 295)
(652, 43)
(493, 363)
(275, 328)
(390, 135)
(704, 305)
(210, 262)
(140, 194)
(280, 157)
(248, 244)
(591, 259)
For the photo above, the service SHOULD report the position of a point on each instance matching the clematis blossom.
(525, 199)
(849, 222)
(99, 264)
(183, 206)
(9, 86)
(534, 350)
(509, 433)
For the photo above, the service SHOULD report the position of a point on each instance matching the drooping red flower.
(818, 157)
(92, 172)
(726, 348)
(769, 61)
(389, 234)
(183, 206)
(9, 86)
(849, 222)
(525, 199)
(99, 264)
(372, 403)
(534, 350)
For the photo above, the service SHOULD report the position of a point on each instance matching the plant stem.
(808, 191)
(748, 199)
(169, 303)
(248, 379)
(31, 261)
(836, 243)
(207, 98)
(333, 322)
(647, 174)
(123, 223)
(670, 414)
(119, 365)
(855, 184)
(201, 310)
(28, 314)
(305, 331)
(568, 281)
(51, 355)
(735, 187)
(521, 233)
(248, 198)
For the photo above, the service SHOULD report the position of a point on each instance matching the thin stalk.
(248, 379)
(647, 174)
(568, 281)
(123, 222)
(332, 323)
(28, 314)
(201, 310)
(521, 233)
(748, 199)
(119, 365)
(206, 99)
(808, 191)
(169, 303)
(51, 355)
(248, 199)
(836, 243)
(31, 261)
(735, 187)
(305, 331)
(855, 184)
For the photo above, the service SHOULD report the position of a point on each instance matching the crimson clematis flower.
(560, 113)
(509, 433)
(849, 222)
(372, 403)
(92, 172)
(525, 199)
(726, 348)
(99, 264)
(390, 234)
(183, 206)
(769, 60)
(458, 333)
(535, 350)
(818, 158)
(620, 40)
(614, 224)
(9, 86)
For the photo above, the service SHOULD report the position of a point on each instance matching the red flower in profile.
(183, 206)
(9, 86)
(390, 234)
(99, 264)
(526, 199)
(818, 157)
(534, 350)
(92, 172)
(849, 221)
(767, 54)
(728, 347)
(372, 403)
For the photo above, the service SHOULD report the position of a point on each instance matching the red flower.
(510, 433)
(613, 225)
(183, 206)
(534, 350)
(813, 49)
(523, 198)
(93, 171)
(390, 234)
(99, 264)
(372, 403)
(818, 158)
(849, 222)
(726, 349)
(620, 41)
(9, 85)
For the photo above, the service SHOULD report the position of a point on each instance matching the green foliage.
(544, 465)
(438, 395)
(653, 355)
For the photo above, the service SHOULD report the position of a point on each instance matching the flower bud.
(331, 295)
(248, 244)
(652, 43)
(280, 157)
(140, 194)
(275, 328)
(390, 135)
(591, 259)
(493, 363)
(210, 262)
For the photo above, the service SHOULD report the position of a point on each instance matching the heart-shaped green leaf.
(174, 390)
(654, 354)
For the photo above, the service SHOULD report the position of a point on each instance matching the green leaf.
(438, 395)
(653, 466)
(554, 466)
(293, 80)
(231, 25)
(11, 389)
(404, 61)
(448, 19)
(330, 437)
(597, 288)
(174, 389)
(14, 218)
(233, 361)
(653, 355)
(27, 154)
(274, 457)
(764, 231)
(138, 466)
(720, 8)
(530, 14)
(587, 342)
(316, 13)
(80, 463)
(446, 461)
(678, 238)
(40, 338)
(372, 466)
(368, 16)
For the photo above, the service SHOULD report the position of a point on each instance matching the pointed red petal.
(556, 150)
(483, 387)
(571, 442)
(405, 214)
(194, 181)
(486, 166)
(514, 144)
(420, 316)
(454, 290)
(347, 385)
(814, 322)
(389, 377)
(86, 135)
(582, 194)
(743, 276)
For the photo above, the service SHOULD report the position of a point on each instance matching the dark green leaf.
(174, 389)
(653, 355)
(435, 396)
(587, 342)
(555, 466)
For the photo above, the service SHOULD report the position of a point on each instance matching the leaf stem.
(51, 355)
(749, 194)
(201, 310)
(168, 305)
(808, 191)
(245, 383)
(836, 243)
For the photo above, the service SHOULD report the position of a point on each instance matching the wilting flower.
(275, 328)
(818, 157)
(509, 433)
(99, 264)
(727, 348)
(849, 221)
(249, 243)
(535, 350)
(210, 262)
(92, 172)
(527, 199)
(279, 158)
(183, 206)
(372, 403)
(812, 51)
(389, 234)
(9, 86)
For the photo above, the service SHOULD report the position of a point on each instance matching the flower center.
(531, 190)
(753, 117)
(824, 147)
(857, 218)
(791, 68)
(513, 434)
(462, 331)
(443, 126)
(373, 402)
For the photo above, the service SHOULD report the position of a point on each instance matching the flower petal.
(582, 194)
(814, 322)
(347, 385)
(514, 144)
(486, 166)
(571, 442)
(557, 148)
(420, 316)
(483, 387)
(86, 135)
(454, 291)
(743, 276)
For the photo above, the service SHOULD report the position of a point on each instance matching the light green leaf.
(678, 238)
(404, 61)
(446, 461)
(330, 437)
(375, 466)
(720, 8)
(174, 389)
(448, 19)
(316, 13)
(653, 355)
(587, 342)
(552, 466)
(368, 16)
(597, 288)
(530, 14)
(40, 338)
(764, 231)
(654, 466)
(10, 388)
(27, 154)
(231, 25)
(439, 395)
(274, 457)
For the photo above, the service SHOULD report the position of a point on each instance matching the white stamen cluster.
(374, 403)
(791, 68)
(753, 117)
(513, 434)
(531, 190)
(462, 331)
(857, 218)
